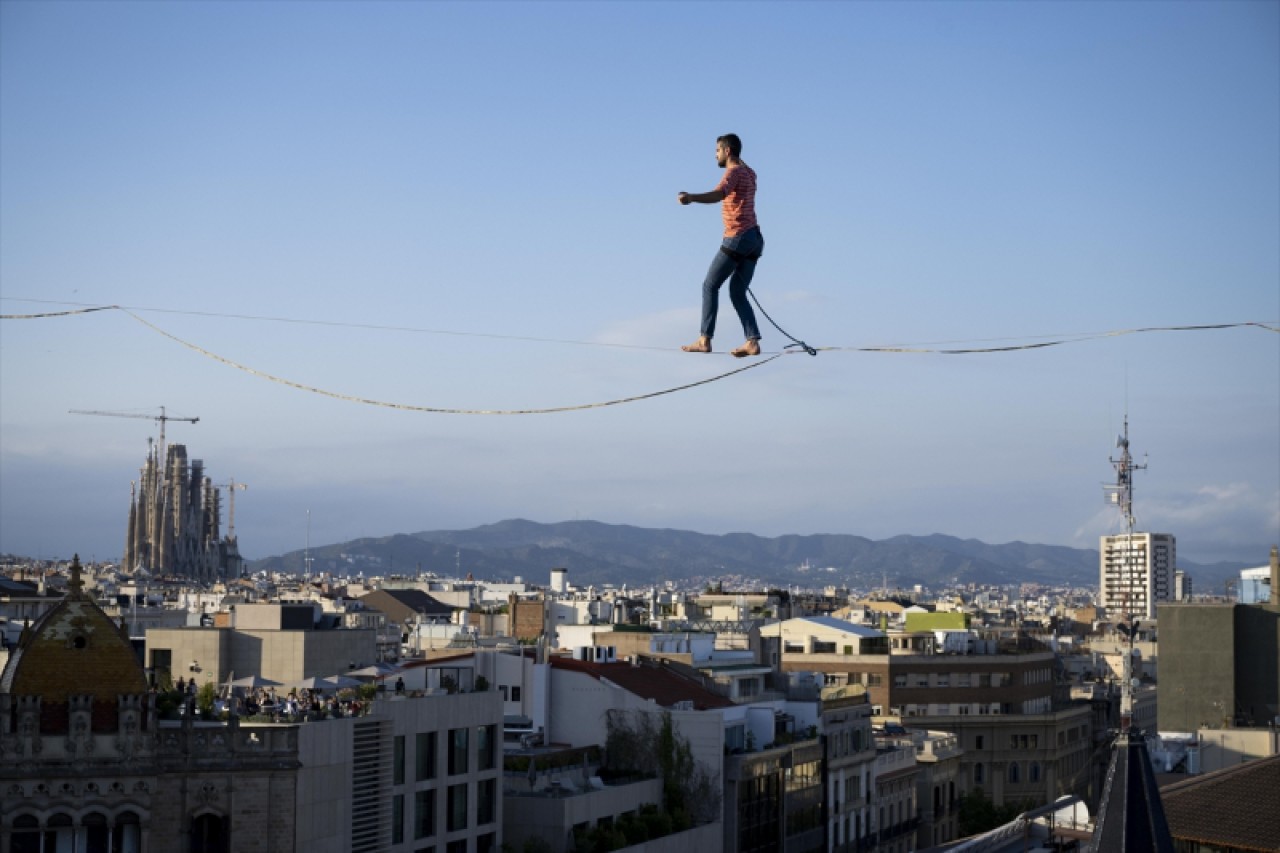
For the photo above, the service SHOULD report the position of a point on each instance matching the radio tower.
(1121, 494)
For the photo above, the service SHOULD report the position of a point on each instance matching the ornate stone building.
(85, 764)
(175, 521)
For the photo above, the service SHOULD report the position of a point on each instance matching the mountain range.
(599, 554)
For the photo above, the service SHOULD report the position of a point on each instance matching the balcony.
(899, 829)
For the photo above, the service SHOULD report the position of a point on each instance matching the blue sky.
(484, 174)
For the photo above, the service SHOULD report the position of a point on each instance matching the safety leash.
(794, 341)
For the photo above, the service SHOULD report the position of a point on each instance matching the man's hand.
(683, 198)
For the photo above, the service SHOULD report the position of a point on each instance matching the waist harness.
(740, 256)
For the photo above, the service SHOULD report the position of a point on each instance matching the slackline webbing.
(1039, 344)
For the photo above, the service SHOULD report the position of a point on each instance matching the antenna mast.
(1121, 494)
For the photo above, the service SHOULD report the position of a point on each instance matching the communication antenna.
(1121, 494)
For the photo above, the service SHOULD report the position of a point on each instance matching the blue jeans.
(750, 242)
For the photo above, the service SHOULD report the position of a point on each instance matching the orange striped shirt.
(739, 205)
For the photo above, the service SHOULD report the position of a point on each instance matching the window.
(457, 807)
(397, 819)
(95, 830)
(1034, 773)
(208, 834)
(515, 693)
(977, 774)
(398, 760)
(487, 843)
(1014, 773)
(899, 681)
(821, 648)
(425, 757)
(874, 679)
(161, 666)
(424, 814)
(485, 754)
(127, 834)
(457, 751)
(26, 835)
(977, 742)
(486, 801)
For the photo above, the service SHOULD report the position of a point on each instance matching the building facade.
(1136, 571)
(175, 521)
(849, 763)
(87, 765)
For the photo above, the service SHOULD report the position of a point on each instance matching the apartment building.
(996, 693)
(939, 786)
(1136, 572)
(417, 773)
(850, 754)
(896, 775)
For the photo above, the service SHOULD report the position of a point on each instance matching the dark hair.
(732, 142)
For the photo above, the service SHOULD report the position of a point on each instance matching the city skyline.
(425, 204)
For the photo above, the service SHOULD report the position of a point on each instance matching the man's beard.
(722, 163)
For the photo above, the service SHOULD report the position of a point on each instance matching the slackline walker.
(741, 248)
(1028, 343)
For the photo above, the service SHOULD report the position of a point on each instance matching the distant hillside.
(597, 553)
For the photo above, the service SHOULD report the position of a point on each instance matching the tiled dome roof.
(74, 649)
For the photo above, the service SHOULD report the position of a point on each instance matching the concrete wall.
(580, 704)
(552, 817)
(707, 838)
(1257, 664)
(1222, 748)
(283, 656)
(326, 750)
(1197, 674)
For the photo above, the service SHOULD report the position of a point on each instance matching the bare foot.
(751, 347)
(700, 345)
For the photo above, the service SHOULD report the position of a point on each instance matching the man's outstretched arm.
(713, 197)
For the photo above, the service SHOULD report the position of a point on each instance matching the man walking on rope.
(739, 251)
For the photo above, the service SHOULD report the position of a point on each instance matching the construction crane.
(160, 418)
(231, 488)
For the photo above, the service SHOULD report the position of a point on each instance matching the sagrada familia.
(175, 521)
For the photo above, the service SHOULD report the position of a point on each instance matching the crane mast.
(232, 487)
